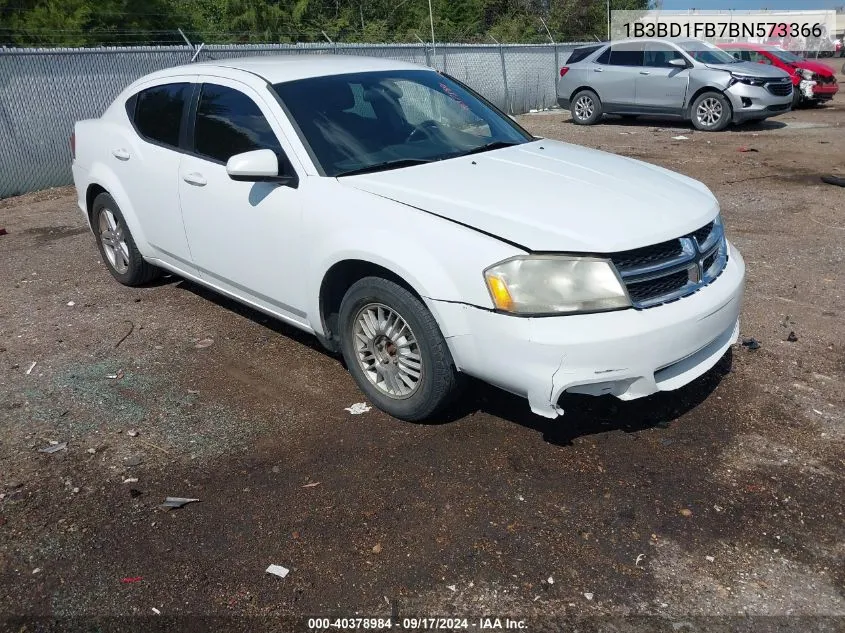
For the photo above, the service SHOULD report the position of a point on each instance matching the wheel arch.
(336, 282)
(584, 87)
(103, 180)
(700, 91)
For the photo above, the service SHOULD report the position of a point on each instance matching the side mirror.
(261, 165)
(677, 61)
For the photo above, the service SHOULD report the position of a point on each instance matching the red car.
(812, 81)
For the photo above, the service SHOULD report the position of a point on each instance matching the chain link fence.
(44, 91)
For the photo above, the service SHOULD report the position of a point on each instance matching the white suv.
(398, 216)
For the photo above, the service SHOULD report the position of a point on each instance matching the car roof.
(292, 66)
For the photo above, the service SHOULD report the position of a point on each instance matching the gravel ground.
(716, 507)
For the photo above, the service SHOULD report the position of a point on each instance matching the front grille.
(780, 89)
(826, 80)
(644, 290)
(648, 255)
(665, 272)
(703, 233)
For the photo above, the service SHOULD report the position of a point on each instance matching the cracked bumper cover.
(627, 353)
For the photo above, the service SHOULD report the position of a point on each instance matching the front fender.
(441, 260)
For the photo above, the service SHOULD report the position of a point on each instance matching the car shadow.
(677, 124)
(590, 415)
(258, 317)
(583, 415)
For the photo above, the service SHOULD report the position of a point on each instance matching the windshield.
(707, 53)
(381, 120)
(786, 56)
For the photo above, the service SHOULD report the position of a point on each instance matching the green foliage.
(134, 22)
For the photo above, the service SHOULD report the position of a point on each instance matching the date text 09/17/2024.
(417, 624)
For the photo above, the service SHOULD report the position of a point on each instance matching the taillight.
(564, 70)
(73, 145)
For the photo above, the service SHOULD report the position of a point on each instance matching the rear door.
(147, 164)
(660, 86)
(615, 74)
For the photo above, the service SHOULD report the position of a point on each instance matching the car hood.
(817, 67)
(752, 69)
(552, 196)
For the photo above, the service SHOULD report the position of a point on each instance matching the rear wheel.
(586, 108)
(394, 350)
(117, 247)
(711, 112)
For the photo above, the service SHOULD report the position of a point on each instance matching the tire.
(368, 332)
(796, 97)
(586, 108)
(117, 247)
(707, 106)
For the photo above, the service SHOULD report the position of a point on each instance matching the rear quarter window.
(580, 54)
(157, 112)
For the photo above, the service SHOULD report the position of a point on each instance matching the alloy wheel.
(387, 351)
(584, 107)
(113, 237)
(709, 112)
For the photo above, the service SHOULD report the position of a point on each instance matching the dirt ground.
(717, 507)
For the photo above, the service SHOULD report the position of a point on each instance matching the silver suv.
(688, 79)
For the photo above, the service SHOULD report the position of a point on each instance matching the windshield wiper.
(388, 164)
(490, 146)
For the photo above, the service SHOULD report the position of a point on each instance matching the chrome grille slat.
(668, 271)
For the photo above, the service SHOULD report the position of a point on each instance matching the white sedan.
(397, 215)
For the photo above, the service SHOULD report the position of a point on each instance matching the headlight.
(555, 284)
(806, 73)
(749, 81)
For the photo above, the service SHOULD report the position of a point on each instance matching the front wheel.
(586, 108)
(796, 97)
(711, 112)
(394, 350)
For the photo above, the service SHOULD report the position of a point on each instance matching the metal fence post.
(507, 107)
(557, 64)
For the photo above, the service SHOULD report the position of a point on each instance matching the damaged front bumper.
(817, 91)
(626, 353)
(756, 102)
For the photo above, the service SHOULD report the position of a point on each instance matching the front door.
(661, 86)
(244, 236)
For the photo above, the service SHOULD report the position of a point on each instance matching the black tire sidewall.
(796, 97)
(137, 272)
(727, 111)
(597, 109)
(431, 396)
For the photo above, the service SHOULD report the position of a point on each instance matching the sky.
(747, 5)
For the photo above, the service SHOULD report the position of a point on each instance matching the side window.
(604, 58)
(581, 53)
(659, 55)
(158, 112)
(228, 123)
(629, 54)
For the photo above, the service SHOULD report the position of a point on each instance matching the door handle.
(194, 178)
(120, 153)
(644, 72)
(598, 70)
